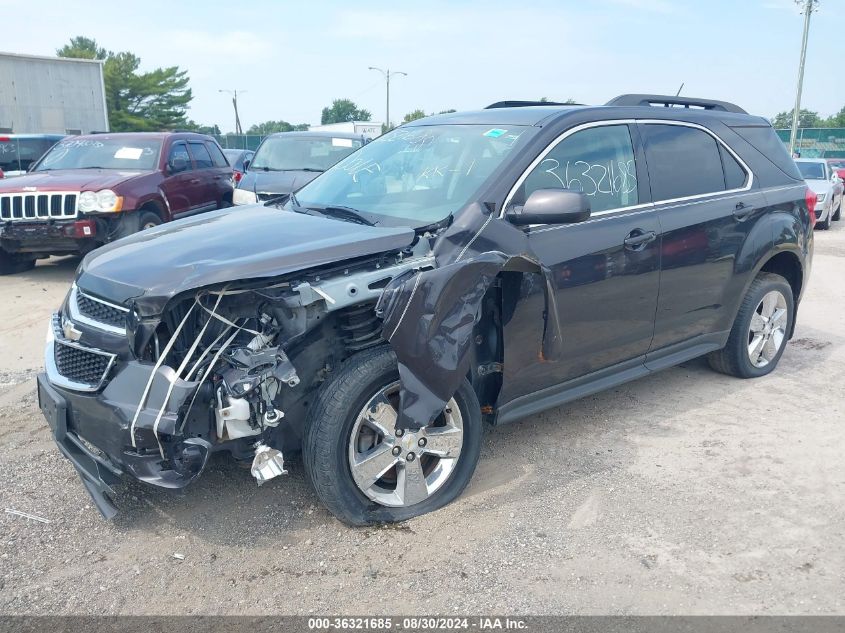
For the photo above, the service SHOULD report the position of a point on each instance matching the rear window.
(17, 154)
(216, 155)
(202, 158)
(767, 142)
(682, 162)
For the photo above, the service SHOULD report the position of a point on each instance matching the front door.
(180, 183)
(605, 270)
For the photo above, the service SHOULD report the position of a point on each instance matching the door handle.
(194, 181)
(637, 239)
(742, 210)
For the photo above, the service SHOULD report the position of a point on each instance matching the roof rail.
(668, 101)
(525, 104)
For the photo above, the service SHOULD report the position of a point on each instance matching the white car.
(827, 185)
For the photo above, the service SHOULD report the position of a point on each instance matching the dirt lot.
(685, 492)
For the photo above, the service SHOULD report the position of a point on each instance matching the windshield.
(415, 176)
(102, 153)
(837, 164)
(292, 153)
(17, 154)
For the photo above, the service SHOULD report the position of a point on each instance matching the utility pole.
(387, 74)
(809, 7)
(234, 93)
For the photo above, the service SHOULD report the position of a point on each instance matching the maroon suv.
(89, 190)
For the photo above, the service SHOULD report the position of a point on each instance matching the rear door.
(605, 270)
(223, 176)
(707, 204)
(207, 192)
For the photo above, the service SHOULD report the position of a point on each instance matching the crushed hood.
(239, 243)
(70, 180)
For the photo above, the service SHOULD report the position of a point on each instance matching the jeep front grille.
(28, 207)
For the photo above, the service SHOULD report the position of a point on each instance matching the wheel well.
(788, 266)
(154, 207)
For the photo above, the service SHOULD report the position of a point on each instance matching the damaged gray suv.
(465, 269)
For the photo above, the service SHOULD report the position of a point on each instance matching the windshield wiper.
(93, 167)
(345, 213)
(315, 169)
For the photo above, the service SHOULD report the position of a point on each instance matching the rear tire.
(760, 330)
(338, 448)
(11, 263)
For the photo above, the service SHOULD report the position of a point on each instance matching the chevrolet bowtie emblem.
(70, 331)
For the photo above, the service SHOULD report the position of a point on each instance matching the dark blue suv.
(465, 268)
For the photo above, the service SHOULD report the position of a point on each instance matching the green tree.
(150, 101)
(271, 127)
(806, 118)
(343, 110)
(837, 120)
(193, 126)
(413, 116)
(81, 47)
(447, 111)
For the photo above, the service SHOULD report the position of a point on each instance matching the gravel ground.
(686, 492)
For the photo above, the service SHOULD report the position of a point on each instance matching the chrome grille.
(81, 365)
(28, 207)
(97, 313)
(100, 311)
(72, 365)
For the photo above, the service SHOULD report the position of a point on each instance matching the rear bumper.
(93, 433)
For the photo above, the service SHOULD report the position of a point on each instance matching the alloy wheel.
(400, 469)
(767, 331)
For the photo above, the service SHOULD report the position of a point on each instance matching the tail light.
(810, 197)
(238, 176)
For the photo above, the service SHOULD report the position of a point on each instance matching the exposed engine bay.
(232, 368)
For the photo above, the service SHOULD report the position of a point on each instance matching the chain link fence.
(817, 142)
(239, 141)
(812, 142)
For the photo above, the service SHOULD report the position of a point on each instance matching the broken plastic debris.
(268, 463)
(26, 515)
(179, 556)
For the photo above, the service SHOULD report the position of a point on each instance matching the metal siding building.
(51, 95)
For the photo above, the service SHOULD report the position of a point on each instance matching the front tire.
(365, 471)
(134, 222)
(824, 225)
(838, 211)
(761, 329)
(11, 263)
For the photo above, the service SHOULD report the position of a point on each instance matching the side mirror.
(246, 164)
(177, 164)
(551, 206)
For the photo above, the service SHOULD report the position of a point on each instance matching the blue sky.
(293, 58)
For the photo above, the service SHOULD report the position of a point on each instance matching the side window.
(202, 159)
(178, 159)
(682, 161)
(735, 175)
(597, 161)
(216, 155)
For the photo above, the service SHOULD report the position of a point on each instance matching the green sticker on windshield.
(494, 133)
